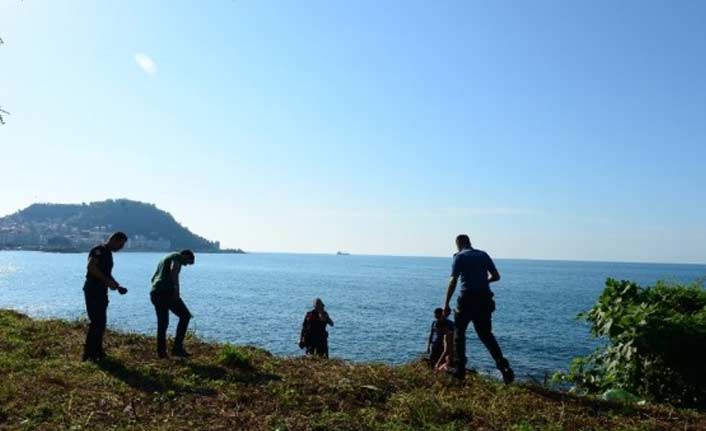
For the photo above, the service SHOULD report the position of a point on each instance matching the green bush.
(232, 357)
(656, 343)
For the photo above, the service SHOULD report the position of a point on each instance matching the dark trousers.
(164, 302)
(318, 347)
(97, 310)
(480, 313)
(435, 353)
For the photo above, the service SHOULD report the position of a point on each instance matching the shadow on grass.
(147, 382)
(595, 404)
(244, 374)
(210, 372)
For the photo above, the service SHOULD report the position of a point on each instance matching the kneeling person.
(166, 297)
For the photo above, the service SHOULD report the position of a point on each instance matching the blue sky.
(546, 129)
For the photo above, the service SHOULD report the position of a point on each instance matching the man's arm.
(174, 274)
(453, 281)
(302, 336)
(95, 271)
(431, 332)
(494, 274)
(326, 318)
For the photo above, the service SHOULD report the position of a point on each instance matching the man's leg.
(162, 311)
(461, 321)
(102, 322)
(319, 348)
(436, 351)
(179, 308)
(484, 328)
(96, 310)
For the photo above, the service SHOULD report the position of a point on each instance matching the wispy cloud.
(146, 63)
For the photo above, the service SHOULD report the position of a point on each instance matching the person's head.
(319, 304)
(116, 241)
(188, 256)
(438, 313)
(463, 242)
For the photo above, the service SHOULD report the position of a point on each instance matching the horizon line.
(649, 262)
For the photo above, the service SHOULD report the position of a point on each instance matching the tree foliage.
(656, 343)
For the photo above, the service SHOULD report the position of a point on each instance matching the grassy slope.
(43, 386)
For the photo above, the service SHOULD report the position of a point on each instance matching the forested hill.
(78, 226)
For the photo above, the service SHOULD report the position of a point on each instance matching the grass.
(44, 386)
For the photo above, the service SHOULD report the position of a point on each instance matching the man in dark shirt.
(99, 279)
(475, 304)
(314, 336)
(435, 345)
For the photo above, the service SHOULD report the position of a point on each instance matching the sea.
(382, 306)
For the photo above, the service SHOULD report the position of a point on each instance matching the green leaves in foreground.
(656, 343)
(233, 357)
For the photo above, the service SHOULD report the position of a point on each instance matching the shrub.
(656, 343)
(230, 356)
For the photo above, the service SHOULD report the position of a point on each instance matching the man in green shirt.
(166, 297)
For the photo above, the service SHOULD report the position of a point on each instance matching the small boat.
(342, 253)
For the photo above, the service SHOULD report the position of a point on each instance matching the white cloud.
(146, 63)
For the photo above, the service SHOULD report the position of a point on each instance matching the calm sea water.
(382, 306)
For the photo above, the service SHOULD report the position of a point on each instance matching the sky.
(544, 130)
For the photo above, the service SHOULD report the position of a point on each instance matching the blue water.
(382, 306)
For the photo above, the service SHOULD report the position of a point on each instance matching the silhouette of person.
(99, 278)
(475, 304)
(445, 359)
(166, 297)
(435, 344)
(314, 337)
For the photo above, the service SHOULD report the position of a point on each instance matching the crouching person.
(166, 297)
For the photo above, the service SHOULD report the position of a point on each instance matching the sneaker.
(508, 375)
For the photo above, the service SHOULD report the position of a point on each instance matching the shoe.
(508, 375)
(180, 352)
(456, 373)
(504, 368)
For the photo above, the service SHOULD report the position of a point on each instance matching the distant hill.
(69, 227)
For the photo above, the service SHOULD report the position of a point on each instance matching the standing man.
(475, 304)
(166, 297)
(99, 279)
(314, 336)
